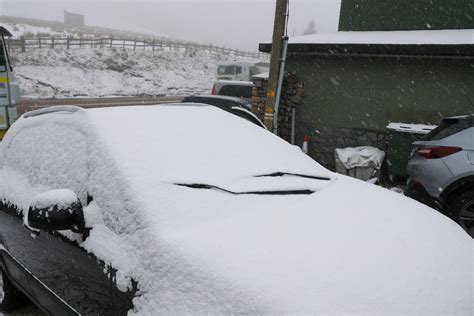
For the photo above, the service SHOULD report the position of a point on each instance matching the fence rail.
(28, 43)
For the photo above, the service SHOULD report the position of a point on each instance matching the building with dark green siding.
(391, 61)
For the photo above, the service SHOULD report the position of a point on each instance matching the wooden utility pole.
(277, 45)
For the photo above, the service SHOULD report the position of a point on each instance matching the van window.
(238, 70)
(226, 70)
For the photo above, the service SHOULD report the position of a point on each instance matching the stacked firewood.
(291, 96)
(259, 96)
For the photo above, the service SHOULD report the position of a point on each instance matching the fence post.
(80, 42)
(52, 42)
(111, 41)
(39, 41)
(135, 44)
(153, 45)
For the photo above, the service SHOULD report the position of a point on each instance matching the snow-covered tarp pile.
(197, 249)
(61, 73)
(364, 156)
(362, 162)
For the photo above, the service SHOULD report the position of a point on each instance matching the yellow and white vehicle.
(9, 87)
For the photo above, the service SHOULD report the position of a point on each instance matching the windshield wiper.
(213, 187)
(281, 174)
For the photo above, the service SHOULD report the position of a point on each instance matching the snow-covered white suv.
(185, 209)
(441, 170)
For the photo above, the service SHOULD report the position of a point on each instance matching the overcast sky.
(239, 24)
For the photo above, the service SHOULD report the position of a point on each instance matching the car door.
(52, 269)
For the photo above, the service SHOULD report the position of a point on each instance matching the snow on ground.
(349, 248)
(60, 73)
(20, 29)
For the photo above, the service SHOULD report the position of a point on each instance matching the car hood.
(349, 248)
(189, 228)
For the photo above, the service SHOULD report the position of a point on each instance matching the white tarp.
(364, 156)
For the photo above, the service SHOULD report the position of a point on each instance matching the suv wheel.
(12, 298)
(463, 211)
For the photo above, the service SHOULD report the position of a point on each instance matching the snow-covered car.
(180, 209)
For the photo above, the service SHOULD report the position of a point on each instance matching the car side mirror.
(56, 210)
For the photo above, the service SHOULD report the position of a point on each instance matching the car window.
(236, 91)
(238, 70)
(52, 156)
(449, 127)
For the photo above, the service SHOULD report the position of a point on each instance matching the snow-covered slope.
(60, 73)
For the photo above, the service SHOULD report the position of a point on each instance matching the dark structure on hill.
(73, 20)
(398, 63)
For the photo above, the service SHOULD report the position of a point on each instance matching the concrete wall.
(387, 15)
(350, 101)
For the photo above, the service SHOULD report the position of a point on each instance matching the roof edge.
(419, 50)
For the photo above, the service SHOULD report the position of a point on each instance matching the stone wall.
(292, 95)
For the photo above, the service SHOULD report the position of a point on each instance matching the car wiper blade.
(274, 192)
(281, 174)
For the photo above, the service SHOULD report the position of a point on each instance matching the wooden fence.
(29, 43)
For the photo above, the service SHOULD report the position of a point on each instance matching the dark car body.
(77, 285)
(236, 106)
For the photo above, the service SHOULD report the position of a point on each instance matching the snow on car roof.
(428, 37)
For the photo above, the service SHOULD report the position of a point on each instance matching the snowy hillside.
(60, 73)
(20, 29)
(107, 72)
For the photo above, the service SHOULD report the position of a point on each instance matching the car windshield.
(216, 145)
